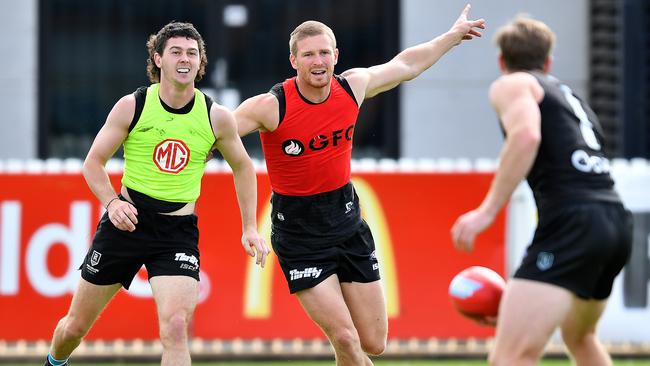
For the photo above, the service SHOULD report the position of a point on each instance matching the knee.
(346, 339)
(173, 329)
(375, 346)
(578, 341)
(72, 329)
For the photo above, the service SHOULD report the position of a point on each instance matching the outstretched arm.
(231, 148)
(408, 64)
(515, 98)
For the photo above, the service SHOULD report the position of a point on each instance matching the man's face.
(314, 60)
(180, 60)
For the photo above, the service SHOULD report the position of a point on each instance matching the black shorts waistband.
(345, 191)
(548, 201)
(320, 217)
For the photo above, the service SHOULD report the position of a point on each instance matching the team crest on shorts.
(545, 260)
(95, 257)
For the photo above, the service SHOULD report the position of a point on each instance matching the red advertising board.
(47, 222)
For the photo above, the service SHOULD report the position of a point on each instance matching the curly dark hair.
(158, 41)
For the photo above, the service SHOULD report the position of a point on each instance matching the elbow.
(406, 70)
(86, 167)
(242, 166)
(409, 76)
(529, 140)
(534, 139)
(89, 166)
(412, 73)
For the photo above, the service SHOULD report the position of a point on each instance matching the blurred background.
(66, 62)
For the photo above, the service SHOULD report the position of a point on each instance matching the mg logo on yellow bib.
(171, 156)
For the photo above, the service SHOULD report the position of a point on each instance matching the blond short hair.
(525, 43)
(309, 28)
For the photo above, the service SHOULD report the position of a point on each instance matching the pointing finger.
(466, 10)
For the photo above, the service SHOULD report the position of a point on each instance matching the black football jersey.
(570, 165)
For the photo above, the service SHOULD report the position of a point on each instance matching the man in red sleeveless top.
(325, 249)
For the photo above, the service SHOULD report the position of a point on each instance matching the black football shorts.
(581, 247)
(320, 235)
(306, 264)
(164, 244)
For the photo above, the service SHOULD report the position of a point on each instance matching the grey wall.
(445, 112)
(18, 78)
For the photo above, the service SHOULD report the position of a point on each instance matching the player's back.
(570, 165)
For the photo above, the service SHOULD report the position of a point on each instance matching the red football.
(476, 291)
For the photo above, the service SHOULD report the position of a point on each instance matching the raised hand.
(466, 29)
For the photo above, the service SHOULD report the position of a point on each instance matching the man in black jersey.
(325, 249)
(583, 238)
(167, 129)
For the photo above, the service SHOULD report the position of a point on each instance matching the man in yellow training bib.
(167, 130)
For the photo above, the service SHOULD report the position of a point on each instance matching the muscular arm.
(257, 113)
(231, 148)
(515, 98)
(108, 140)
(408, 64)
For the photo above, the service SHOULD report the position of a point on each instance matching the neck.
(176, 96)
(312, 93)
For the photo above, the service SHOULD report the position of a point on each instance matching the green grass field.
(377, 363)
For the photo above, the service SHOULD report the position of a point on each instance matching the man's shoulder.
(138, 96)
(515, 79)
(219, 111)
(127, 101)
(265, 101)
(516, 83)
(355, 76)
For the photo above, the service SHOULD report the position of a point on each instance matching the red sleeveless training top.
(310, 150)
